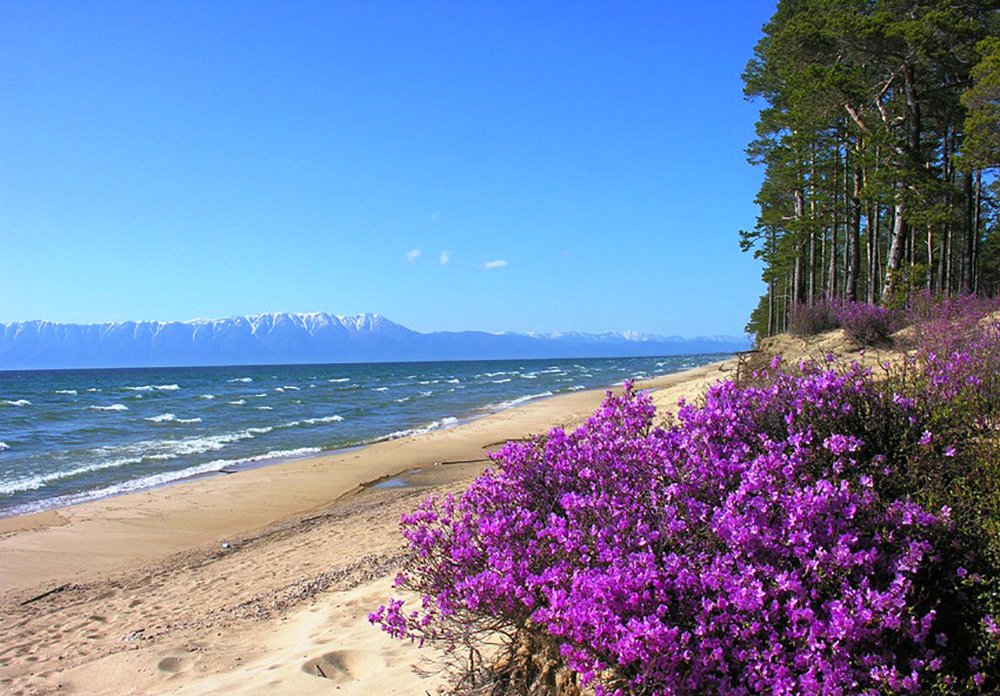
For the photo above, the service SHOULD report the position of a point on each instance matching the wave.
(117, 489)
(155, 387)
(454, 381)
(240, 379)
(138, 484)
(500, 381)
(171, 418)
(4, 446)
(31, 483)
(71, 392)
(174, 448)
(112, 407)
(515, 402)
(325, 419)
(207, 396)
(238, 402)
(274, 454)
(446, 422)
(576, 387)
(381, 389)
(313, 421)
(18, 402)
(264, 408)
(339, 380)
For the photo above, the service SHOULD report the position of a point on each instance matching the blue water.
(67, 436)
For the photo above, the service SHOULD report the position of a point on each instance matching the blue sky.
(525, 166)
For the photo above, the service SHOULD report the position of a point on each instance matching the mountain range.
(292, 338)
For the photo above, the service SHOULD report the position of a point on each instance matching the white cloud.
(413, 254)
(444, 258)
(490, 265)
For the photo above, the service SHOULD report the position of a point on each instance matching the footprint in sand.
(344, 665)
(172, 665)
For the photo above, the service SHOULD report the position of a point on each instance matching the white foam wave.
(119, 488)
(576, 387)
(173, 448)
(426, 393)
(454, 381)
(264, 408)
(155, 387)
(291, 387)
(35, 482)
(71, 392)
(446, 422)
(240, 379)
(31, 483)
(93, 389)
(515, 402)
(339, 380)
(403, 400)
(312, 421)
(4, 446)
(207, 396)
(112, 407)
(17, 402)
(238, 402)
(326, 419)
(171, 418)
(274, 454)
(500, 381)
(381, 389)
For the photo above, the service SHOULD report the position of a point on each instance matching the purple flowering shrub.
(766, 543)
(810, 319)
(812, 531)
(865, 323)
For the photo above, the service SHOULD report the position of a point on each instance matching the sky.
(495, 165)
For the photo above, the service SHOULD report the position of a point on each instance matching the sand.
(255, 582)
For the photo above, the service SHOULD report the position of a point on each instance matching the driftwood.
(46, 594)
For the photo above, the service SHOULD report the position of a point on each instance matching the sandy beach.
(255, 582)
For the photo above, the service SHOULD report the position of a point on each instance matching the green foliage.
(868, 109)
(982, 99)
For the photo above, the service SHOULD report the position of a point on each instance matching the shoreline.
(42, 462)
(254, 582)
(78, 541)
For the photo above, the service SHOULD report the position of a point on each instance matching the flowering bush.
(792, 537)
(866, 323)
(808, 320)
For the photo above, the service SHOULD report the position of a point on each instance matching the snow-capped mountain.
(290, 338)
